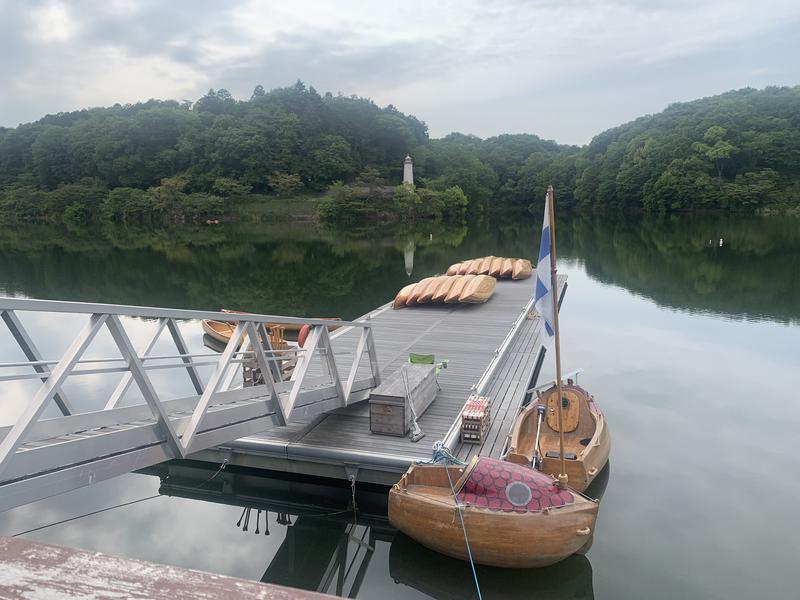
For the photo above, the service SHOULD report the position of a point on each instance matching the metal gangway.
(43, 454)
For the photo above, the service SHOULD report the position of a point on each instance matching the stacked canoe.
(495, 266)
(468, 289)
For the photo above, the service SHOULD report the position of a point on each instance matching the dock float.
(494, 349)
(35, 570)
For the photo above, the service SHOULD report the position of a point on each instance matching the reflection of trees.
(308, 270)
(278, 268)
(678, 261)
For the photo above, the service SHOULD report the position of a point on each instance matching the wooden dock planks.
(466, 335)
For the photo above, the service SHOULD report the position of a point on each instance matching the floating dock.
(35, 570)
(494, 349)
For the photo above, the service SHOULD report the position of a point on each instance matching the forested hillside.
(736, 151)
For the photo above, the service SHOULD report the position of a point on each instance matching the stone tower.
(408, 170)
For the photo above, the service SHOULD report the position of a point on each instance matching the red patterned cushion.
(507, 487)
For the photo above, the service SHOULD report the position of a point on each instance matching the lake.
(686, 329)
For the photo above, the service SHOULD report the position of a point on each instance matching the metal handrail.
(60, 306)
(182, 435)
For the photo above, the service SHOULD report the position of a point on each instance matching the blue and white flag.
(544, 291)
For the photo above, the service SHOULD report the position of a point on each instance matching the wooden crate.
(389, 407)
(475, 419)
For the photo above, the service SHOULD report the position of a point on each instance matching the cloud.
(468, 65)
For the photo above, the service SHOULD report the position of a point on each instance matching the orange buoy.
(301, 337)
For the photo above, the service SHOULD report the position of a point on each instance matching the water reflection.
(308, 270)
(677, 386)
(445, 578)
(329, 547)
(329, 535)
(734, 266)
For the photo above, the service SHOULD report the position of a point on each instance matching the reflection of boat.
(586, 438)
(444, 578)
(514, 516)
(213, 343)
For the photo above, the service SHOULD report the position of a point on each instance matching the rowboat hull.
(287, 327)
(424, 509)
(590, 457)
(219, 330)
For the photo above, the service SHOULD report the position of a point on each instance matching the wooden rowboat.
(219, 330)
(485, 265)
(444, 288)
(222, 331)
(478, 290)
(430, 289)
(514, 516)
(402, 296)
(290, 327)
(497, 265)
(455, 291)
(466, 289)
(587, 442)
(522, 269)
(418, 290)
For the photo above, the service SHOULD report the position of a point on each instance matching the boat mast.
(562, 476)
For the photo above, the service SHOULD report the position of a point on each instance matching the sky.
(564, 70)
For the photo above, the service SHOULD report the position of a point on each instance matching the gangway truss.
(43, 454)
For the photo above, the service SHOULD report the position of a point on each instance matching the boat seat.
(567, 455)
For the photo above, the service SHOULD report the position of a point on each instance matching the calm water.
(687, 331)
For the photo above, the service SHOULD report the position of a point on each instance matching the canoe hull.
(505, 528)
(219, 330)
(509, 540)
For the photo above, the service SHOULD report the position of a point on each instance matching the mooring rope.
(123, 504)
(442, 455)
(89, 514)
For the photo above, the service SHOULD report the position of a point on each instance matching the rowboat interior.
(586, 437)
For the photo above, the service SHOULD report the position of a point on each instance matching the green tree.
(716, 149)
(285, 184)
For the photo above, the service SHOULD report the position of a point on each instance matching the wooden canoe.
(418, 290)
(514, 516)
(587, 442)
(444, 288)
(522, 269)
(507, 268)
(486, 265)
(453, 270)
(478, 290)
(430, 289)
(497, 265)
(455, 291)
(402, 296)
